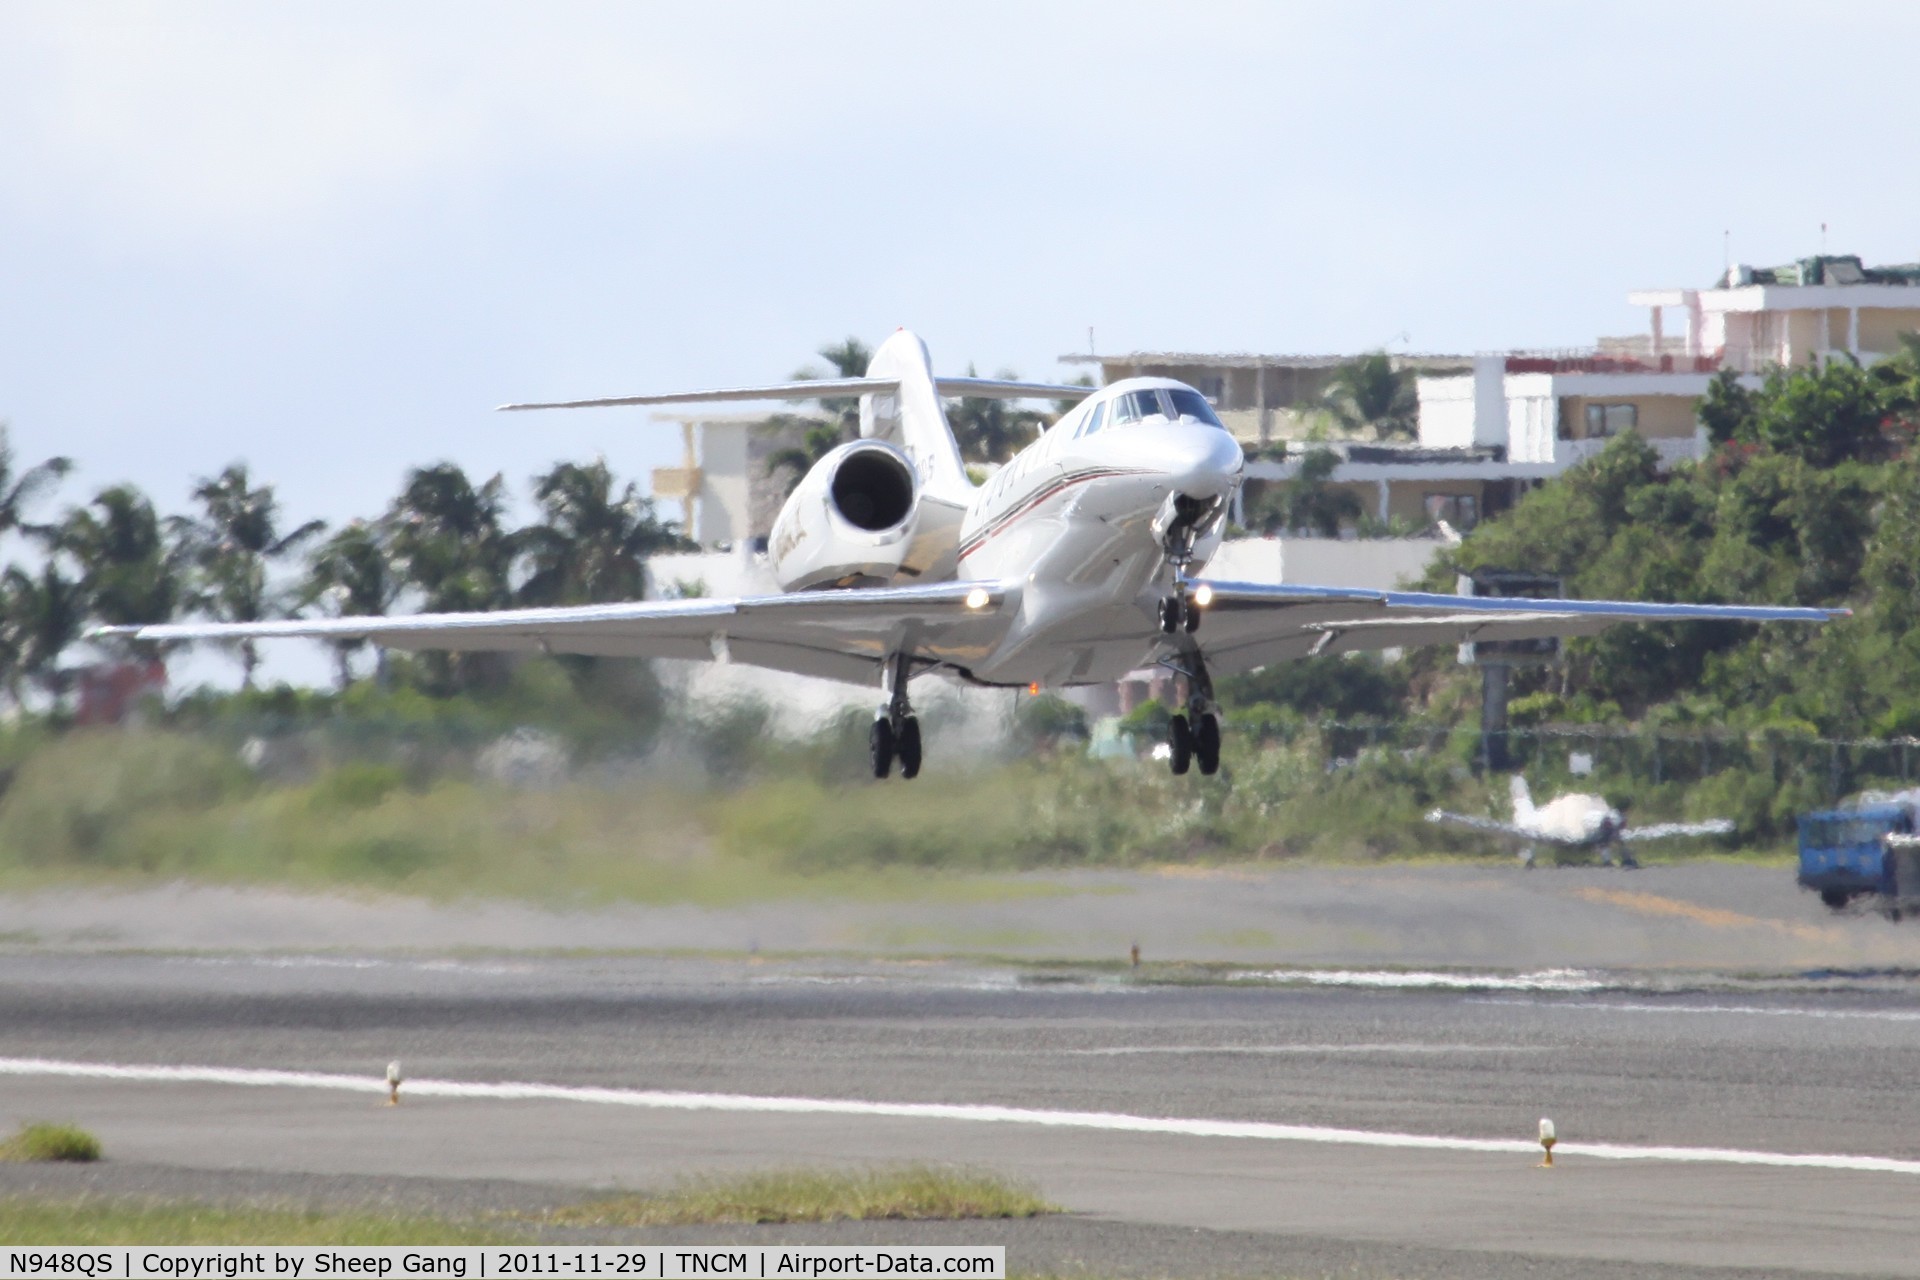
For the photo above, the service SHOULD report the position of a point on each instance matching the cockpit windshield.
(1137, 406)
(1173, 403)
(1189, 403)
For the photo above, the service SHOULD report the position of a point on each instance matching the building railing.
(1591, 360)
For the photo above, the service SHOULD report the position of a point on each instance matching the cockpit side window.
(1191, 404)
(1094, 421)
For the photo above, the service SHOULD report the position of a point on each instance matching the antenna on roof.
(1091, 349)
(1726, 253)
(1823, 239)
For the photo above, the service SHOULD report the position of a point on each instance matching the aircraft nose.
(1206, 462)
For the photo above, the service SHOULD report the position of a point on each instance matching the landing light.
(1203, 595)
(978, 598)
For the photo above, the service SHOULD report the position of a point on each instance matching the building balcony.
(1610, 359)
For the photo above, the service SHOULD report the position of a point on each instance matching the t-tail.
(908, 413)
(1522, 799)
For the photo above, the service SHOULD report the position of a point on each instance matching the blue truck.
(1869, 850)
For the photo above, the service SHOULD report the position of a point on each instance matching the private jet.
(1578, 823)
(1078, 561)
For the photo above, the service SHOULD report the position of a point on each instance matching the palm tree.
(849, 358)
(19, 492)
(448, 540)
(130, 569)
(43, 617)
(232, 544)
(353, 572)
(1370, 392)
(987, 429)
(448, 543)
(593, 545)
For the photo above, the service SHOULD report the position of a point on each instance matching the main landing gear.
(1193, 736)
(896, 730)
(1178, 612)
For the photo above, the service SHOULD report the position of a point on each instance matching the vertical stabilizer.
(1522, 799)
(914, 418)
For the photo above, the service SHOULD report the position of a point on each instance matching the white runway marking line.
(1416, 980)
(1759, 1010)
(1106, 1121)
(1122, 1050)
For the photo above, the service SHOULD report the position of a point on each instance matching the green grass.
(50, 1142)
(917, 1191)
(96, 1221)
(140, 806)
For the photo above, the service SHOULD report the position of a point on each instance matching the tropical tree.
(1308, 503)
(449, 543)
(19, 491)
(989, 429)
(231, 545)
(352, 572)
(593, 544)
(130, 569)
(1369, 393)
(43, 614)
(840, 420)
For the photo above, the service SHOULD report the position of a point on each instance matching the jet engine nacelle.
(850, 522)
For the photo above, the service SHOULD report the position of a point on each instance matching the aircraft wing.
(1484, 824)
(1249, 625)
(1663, 830)
(842, 635)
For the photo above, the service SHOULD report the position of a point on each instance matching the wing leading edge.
(841, 635)
(1252, 624)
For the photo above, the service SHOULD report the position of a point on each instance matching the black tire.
(908, 748)
(1206, 744)
(1189, 615)
(1179, 744)
(880, 742)
(1169, 614)
(1835, 898)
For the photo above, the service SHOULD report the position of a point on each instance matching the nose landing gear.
(896, 730)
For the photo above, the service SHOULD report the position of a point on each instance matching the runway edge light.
(1547, 1140)
(393, 1083)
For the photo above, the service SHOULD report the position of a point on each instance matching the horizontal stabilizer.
(1003, 389)
(817, 388)
(805, 389)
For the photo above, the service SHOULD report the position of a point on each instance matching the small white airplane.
(1074, 564)
(1577, 821)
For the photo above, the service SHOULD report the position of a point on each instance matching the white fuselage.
(1072, 518)
(1573, 819)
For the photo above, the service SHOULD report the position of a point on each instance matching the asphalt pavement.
(1776, 1064)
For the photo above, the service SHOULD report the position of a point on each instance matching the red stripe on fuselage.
(1000, 524)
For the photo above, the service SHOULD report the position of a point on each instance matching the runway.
(1225, 1095)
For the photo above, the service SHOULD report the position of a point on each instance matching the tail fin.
(1522, 798)
(912, 416)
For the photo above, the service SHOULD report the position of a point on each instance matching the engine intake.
(873, 490)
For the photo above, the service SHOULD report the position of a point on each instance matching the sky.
(327, 239)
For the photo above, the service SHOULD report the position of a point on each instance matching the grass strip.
(41, 1142)
(914, 1191)
(96, 1221)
